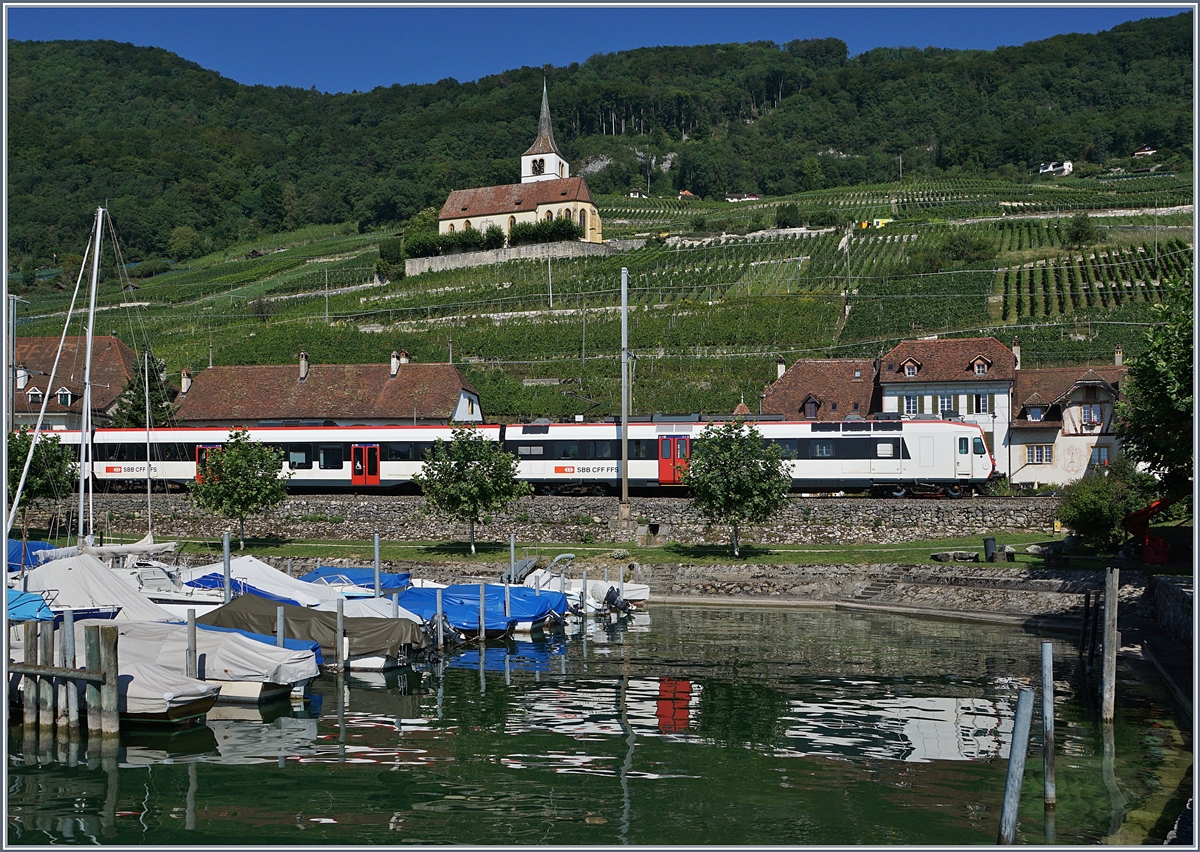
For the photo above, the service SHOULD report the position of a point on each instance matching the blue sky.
(341, 49)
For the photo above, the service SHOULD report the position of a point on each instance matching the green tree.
(184, 243)
(130, 409)
(787, 216)
(1154, 421)
(1080, 230)
(51, 471)
(240, 479)
(736, 477)
(470, 476)
(1095, 506)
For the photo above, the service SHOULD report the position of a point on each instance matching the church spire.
(544, 144)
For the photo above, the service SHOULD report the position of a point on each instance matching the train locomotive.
(886, 457)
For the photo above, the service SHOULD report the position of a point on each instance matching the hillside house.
(823, 390)
(735, 197)
(1056, 169)
(113, 365)
(546, 191)
(1145, 151)
(398, 393)
(688, 196)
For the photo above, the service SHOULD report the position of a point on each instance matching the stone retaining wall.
(418, 265)
(1173, 599)
(575, 520)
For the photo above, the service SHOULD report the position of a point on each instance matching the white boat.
(84, 582)
(635, 594)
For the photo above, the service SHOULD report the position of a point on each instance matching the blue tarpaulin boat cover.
(26, 606)
(460, 604)
(31, 547)
(237, 587)
(364, 577)
(290, 644)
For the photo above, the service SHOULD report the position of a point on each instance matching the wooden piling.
(341, 630)
(91, 657)
(69, 662)
(110, 725)
(191, 662)
(1112, 639)
(45, 693)
(29, 690)
(1051, 798)
(395, 604)
(1084, 624)
(279, 626)
(438, 599)
(482, 590)
(1094, 637)
(377, 577)
(1016, 767)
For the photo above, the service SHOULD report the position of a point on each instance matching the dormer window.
(64, 397)
(35, 396)
(910, 370)
(810, 409)
(1036, 412)
(980, 368)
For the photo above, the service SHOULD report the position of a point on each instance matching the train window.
(329, 456)
(530, 450)
(666, 447)
(821, 449)
(566, 449)
(127, 452)
(827, 427)
(642, 449)
(885, 449)
(980, 449)
(787, 447)
(682, 447)
(964, 446)
(299, 456)
(602, 449)
(400, 451)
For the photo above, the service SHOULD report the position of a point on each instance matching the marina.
(676, 725)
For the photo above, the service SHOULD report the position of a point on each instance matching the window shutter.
(991, 403)
(921, 404)
(970, 403)
(954, 403)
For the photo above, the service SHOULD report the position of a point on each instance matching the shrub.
(698, 222)
(493, 237)
(545, 231)
(787, 216)
(1095, 506)
(149, 268)
(391, 251)
(422, 244)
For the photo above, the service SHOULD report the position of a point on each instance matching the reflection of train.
(889, 456)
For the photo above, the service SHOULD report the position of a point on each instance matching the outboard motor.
(450, 636)
(615, 603)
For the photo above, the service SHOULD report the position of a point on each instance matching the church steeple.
(543, 160)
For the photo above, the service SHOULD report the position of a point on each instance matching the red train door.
(202, 451)
(673, 453)
(364, 464)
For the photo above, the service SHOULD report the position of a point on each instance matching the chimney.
(1016, 350)
(395, 363)
(23, 376)
(185, 381)
(403, 357)
(303, 365)
(780, 367)
(1119, 356)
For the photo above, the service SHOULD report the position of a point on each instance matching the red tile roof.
(1051, 385)
(514, 198)
(827, 382)
(113, 364)
(330, 392)
(949, 360)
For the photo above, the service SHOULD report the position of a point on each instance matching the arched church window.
(560, 169)
(467, 225)
(549, 215)
(451, 229)
(512, 221)
(539, 167)
(583, 221)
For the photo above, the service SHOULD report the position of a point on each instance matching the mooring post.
(1083, 627)
(583, 593)
(1048, 723)
(507, 600)
(438, 597)
(1016, 767)
(482, 590)
(1094, 638)
(192, 660)
(46, 689)
(225, 563)
(110, 725)
(61, 684)
(395, 604)
(29, 694)
(512, 556)
(289, 567)
(621, 590)
(69, 662)
(341, 629)
(91, 658)
(1111, 640)
(279, 626)
(377, 578)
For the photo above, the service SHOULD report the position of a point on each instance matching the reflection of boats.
(149, 748)
(531, 656)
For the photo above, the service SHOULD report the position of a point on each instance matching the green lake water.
(687, 725)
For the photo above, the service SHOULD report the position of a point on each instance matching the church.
(546, 191)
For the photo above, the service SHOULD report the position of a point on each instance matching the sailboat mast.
(85, 429)
(149, 517)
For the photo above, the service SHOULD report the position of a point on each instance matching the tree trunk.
(736, 549)
(241, 533)
(472, 526)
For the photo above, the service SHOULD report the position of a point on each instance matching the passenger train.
(896, 457)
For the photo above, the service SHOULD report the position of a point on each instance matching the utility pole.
(901, 167)
(326, 297)
(149, 505)
(624, 510)
(549, 276)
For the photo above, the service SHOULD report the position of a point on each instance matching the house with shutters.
(823, 390)
(113, 365)
(1062, 427)
(399, 393)
(546, 191)
(970, 378)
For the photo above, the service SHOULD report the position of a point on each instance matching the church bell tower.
(543, 160)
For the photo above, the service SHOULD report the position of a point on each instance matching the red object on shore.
(1154, 549)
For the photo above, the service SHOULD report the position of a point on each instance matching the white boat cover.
(368, 608)
(597, 589)
(260, 574)
(220, 655)
(145, 547)
(80, 582)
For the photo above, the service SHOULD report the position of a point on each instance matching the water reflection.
(667, 729)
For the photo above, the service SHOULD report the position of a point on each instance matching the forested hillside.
(189, 162)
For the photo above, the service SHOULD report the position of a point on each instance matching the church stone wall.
(418, 265)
